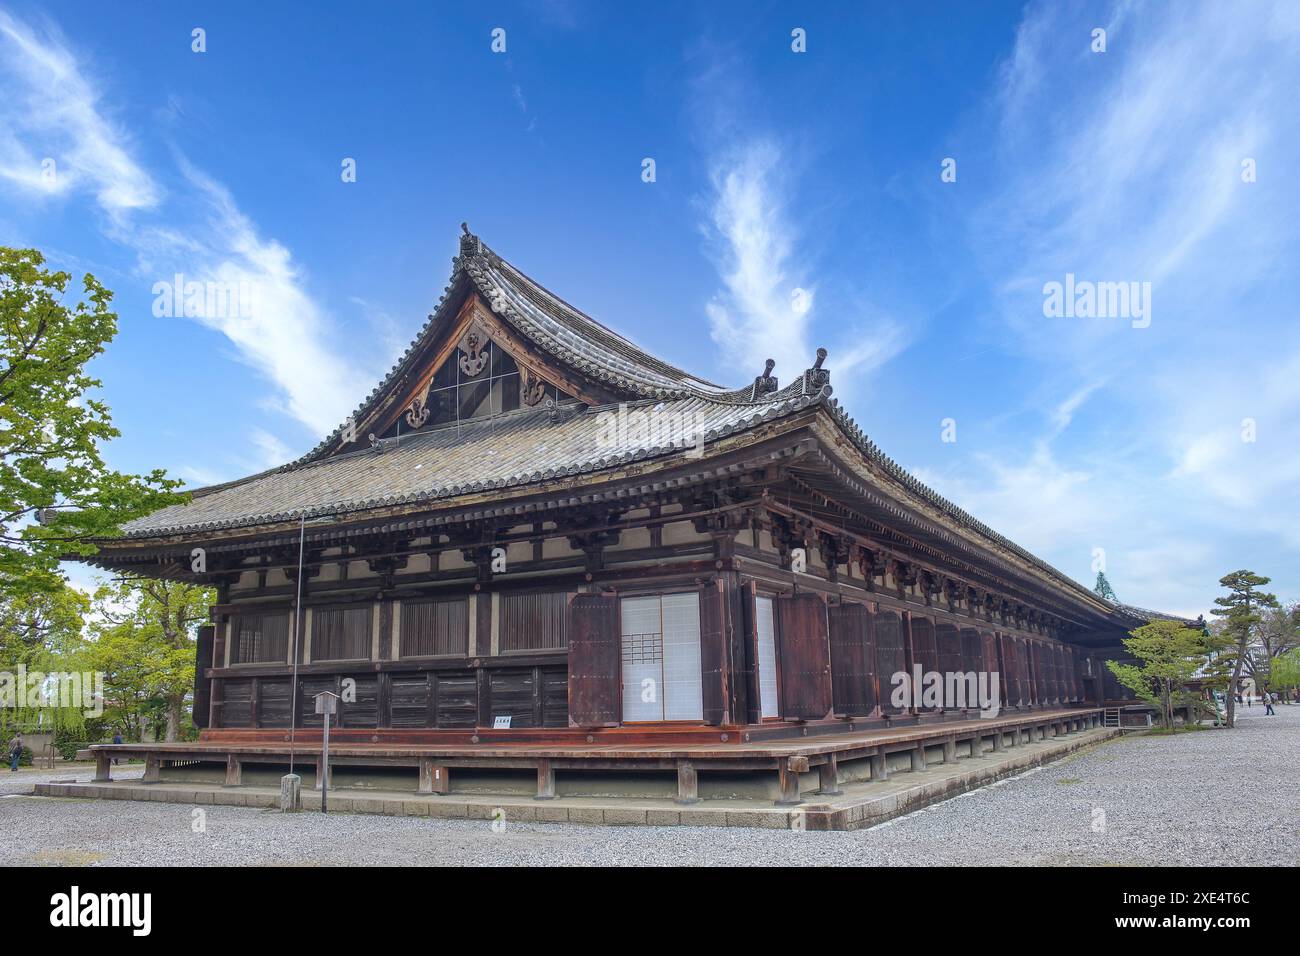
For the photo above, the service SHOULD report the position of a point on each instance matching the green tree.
(1286, 672)
(144, 641)
(1171, 655)
(41, 633)
(1240, 609)
(1277, 633)
(56, 494)
(1103, 588)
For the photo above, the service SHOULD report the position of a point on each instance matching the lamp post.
(327, 703)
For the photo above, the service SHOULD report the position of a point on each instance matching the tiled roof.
(510, 450)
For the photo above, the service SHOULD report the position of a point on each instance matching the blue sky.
(798, 202)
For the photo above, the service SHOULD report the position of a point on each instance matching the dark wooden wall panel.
(804, 658)
(595, 664)
(853, 660)
(924, 649)
(989, 649)
(748, 625)
(202, 682)
(236, 703)
(1042, 689)
(1024, 671)
(555, 696)
(515, 694)
(972, 650)
(1011, 681)
(455, 698)
(1062, 673)
(364, 710)
(273, 704)
(408, 700)
(713, 653)
(948, 640)
(738, 663)
(891, 655)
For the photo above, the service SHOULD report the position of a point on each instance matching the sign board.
(327, 702)
(501, 723)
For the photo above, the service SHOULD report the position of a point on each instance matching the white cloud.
(1125, 166)
(51, 111)
(767, 307)
(49, 105)
(285, 334)
(271, 451)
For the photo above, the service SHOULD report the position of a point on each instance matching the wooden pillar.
(152, 768)
(788, 771)
(950, 749)
(234, 771)
(103, 763)
(997, 740)
(879, 766)
(918, 757)
(829, 777)
(909, 656)
(434, 777)
(545, 781)
(321, 773)
(688, 783)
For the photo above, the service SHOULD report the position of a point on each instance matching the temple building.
(533, 533)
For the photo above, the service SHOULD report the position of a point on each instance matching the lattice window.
(533, 621)
(260, 638)
(340, 634)
(435, 628)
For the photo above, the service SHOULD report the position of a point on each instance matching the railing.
(1110, 717)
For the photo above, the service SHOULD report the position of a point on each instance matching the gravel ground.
(1213, 797)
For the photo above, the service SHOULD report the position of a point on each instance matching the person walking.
(1268, 705)
(15, 750)
(117, 739)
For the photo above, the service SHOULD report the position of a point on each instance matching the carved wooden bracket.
(473, 347)
(835, 550)
(870, 565)
(532, 387)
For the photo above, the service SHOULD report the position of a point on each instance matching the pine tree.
(1103, 588)
(1240, 609)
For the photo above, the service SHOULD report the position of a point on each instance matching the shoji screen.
(661, 657)
(767, 691)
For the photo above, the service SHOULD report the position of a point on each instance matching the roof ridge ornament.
(815, 378)
(469, 243)
(765, 383)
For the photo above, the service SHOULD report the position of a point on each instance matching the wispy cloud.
(1126, 166)
(51, 112)
(767, 306)
(51, 106)
(285, 334)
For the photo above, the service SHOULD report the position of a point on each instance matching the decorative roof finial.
(469, 244)
(816, 377)
(765, 383)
